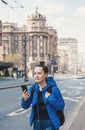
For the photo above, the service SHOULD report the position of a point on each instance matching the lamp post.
(25, 59)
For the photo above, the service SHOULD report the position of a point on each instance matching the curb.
(74, 114)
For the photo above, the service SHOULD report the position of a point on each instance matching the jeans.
(43, 125)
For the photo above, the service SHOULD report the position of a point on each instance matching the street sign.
(52, 62)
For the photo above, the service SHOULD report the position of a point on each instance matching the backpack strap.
(49, 89)
(60, 113)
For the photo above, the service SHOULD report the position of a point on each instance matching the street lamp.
(25, 59)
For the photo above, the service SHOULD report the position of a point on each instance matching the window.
(34, 44)
(23, 37)
(41, 44)
(41, 37)
(15, 38)
(41, 50)
(16, 43)
(5, 38)
(35, 51)
(34, 38)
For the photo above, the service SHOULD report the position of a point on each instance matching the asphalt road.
(12, 116)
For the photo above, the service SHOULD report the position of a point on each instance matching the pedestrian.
(44, 104)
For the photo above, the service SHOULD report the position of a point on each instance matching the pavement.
(77, 119)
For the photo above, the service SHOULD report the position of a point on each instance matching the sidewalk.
(79, 122)
(77, 119)
(61, 76)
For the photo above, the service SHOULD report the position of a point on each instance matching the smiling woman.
(44, 103)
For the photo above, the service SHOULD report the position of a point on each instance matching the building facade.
(70, 45)
(37, 41)
(81, 63)
(62, 61)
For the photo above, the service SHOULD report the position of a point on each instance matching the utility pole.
(25, 57)
(0, 33)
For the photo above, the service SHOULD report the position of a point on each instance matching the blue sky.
(66, 16)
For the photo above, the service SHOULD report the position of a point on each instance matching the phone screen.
(24, 87)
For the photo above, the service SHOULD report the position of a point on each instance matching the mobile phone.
(24, 87)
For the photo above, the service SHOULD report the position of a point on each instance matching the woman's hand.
(25, 95)
(47, 94)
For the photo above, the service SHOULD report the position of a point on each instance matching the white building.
(70, 45)
(41, 41)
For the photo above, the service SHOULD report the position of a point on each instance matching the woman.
(44, 104)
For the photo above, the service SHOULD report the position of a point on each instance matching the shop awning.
(5, 65)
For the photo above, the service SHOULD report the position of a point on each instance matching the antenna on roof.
(36, 9)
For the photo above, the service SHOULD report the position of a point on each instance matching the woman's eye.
(39, 73)
(34, 73)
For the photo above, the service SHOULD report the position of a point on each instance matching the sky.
(66, 16)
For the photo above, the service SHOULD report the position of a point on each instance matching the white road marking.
(79, 97)
(63, 91)
(18, 112)
(72, 92)
(77, 88)
(71, 99)
(82, 83)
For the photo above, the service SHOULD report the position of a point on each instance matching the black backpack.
(60, 113)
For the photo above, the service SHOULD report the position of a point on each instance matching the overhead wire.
(4, 2)
(15, 7)
(18, 2)
(19, 5)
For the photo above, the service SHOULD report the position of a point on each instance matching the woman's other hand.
(47, 94)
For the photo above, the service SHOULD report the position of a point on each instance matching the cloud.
(60, 20)
(80, 11)
(72, 21)
(53, 8)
